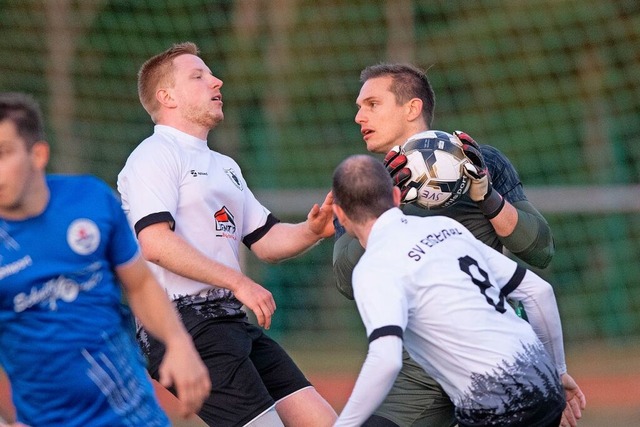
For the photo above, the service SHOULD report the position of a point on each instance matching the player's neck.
(188, 127)
(362, 231)
(33, 204)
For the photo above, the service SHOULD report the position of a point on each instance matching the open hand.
(576, 402)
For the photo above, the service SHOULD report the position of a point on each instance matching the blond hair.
(157, 71)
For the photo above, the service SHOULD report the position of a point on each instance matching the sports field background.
(554, 84)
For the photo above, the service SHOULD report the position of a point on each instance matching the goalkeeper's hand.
(396, 162)
(477, 170)
(480, 191)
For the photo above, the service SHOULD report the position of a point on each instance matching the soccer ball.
(436, 161)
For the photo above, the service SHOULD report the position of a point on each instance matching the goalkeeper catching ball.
(395, 102)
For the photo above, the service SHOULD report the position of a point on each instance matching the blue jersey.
(65, 335)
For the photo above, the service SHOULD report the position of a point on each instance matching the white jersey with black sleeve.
(174, 177)
(429, 282)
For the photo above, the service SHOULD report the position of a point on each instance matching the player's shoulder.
(491, 153)
(373, 266)
(440, 227)
(87, 182)
(498, 163)
(156, 154)
(394, 241)
(155, 143)
(225, 159)
(435, 220)
(80, 190)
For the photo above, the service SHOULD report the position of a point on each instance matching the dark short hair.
(408, 82)
(362, 187)
(24, 111)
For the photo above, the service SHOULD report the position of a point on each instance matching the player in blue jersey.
(428, 285)
(67, 254)
(396, 101)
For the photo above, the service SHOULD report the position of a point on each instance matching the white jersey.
(175, 177)
(431, 283)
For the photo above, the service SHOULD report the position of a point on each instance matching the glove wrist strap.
(492, 204)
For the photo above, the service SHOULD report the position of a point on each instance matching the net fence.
(552, 83)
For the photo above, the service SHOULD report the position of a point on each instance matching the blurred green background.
(555, 84)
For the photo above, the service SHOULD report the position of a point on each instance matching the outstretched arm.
(285, 240)
(167, 249)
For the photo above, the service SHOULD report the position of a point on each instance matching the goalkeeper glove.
(481, 191)
(396, 162)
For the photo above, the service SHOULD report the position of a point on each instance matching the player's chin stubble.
(207, 118)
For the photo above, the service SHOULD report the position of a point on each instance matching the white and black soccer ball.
(436, 161)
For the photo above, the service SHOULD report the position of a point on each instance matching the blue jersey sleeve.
(123, 246)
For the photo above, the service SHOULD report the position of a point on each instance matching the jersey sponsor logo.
(15, 267)
(234, 178)
(195, 173)
(60, 288)
(83, 236)
(225, 224)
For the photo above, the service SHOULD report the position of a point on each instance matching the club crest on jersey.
(83, 236)
(225, 224)
(234, 178)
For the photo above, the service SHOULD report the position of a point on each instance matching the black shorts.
(249, 371)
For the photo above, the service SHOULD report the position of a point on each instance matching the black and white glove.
(481, 191)
(396, 162)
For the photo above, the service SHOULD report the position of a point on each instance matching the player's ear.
(338, 212)
(165, 98)
(40, 154)
(414, 109)
(397, 196)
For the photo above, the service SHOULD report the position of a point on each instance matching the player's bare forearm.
(505, 222)
(285, 240)
(183, 369)
(7, 410)
(149, 302)
(165, 248)
(161, 246)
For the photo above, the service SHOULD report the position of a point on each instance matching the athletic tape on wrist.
(492, 204)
